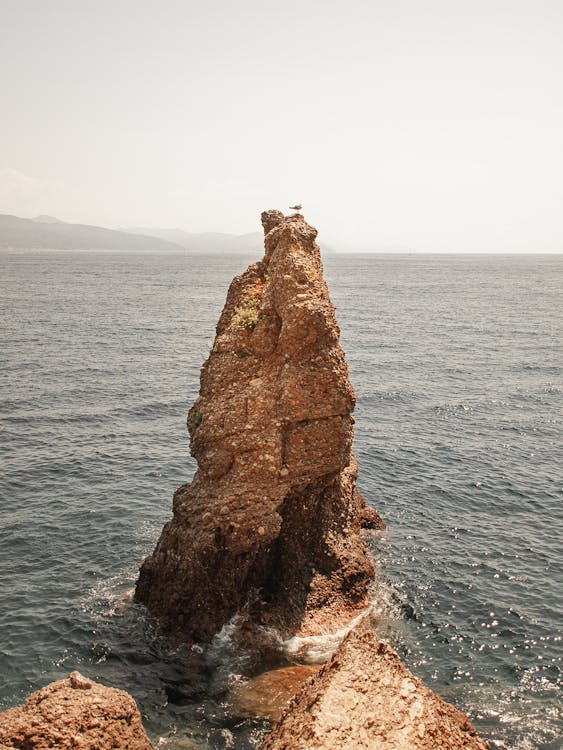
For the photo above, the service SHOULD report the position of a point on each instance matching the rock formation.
(74, 713)
(271, 522)
(365, 699)
(269, 528)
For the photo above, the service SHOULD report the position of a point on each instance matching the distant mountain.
(207, 242)
(50, 233)
(170, 235)
(46, 219)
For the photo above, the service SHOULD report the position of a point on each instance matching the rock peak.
(271, 218)
(270, 523)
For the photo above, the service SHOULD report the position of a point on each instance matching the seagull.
(298, 207)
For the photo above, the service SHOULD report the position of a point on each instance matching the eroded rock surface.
(74, 713)
(271, 521)
(365, 699)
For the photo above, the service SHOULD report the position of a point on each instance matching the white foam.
(317, 649)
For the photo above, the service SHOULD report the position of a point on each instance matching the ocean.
(457, 363)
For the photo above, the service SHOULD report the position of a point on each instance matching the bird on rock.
(297, 207)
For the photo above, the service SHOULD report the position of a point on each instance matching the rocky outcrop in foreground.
(74, 713)
(270, 524)
(365, 699)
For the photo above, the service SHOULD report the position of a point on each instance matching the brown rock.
(77, 682)
(272, 517)
(365, 699)
(268, 695)
(74, 713)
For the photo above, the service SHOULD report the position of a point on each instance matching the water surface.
(457, 362)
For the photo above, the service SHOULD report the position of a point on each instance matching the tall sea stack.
(270, 524)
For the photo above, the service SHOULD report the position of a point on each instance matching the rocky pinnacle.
(270, 525)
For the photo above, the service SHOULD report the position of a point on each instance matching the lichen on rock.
(271, 521)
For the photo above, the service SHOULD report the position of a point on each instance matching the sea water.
(457, 362)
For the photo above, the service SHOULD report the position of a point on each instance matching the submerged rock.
(74, 713)
(271, 522)
(267, 695)
(365, 699)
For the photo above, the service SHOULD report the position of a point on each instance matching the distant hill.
(49, 233)
(46, 219)
(207, 242)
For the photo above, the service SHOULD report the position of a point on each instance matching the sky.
(432, 125)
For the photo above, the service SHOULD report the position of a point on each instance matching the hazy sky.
(420, 124)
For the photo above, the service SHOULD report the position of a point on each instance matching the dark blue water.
(457, 362)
